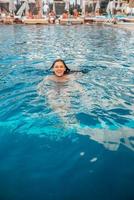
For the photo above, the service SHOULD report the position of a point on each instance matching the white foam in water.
(82, 153)
(94, 159)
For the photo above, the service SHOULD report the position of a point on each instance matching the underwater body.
(66, 140)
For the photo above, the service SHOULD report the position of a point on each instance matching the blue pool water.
(83, 149)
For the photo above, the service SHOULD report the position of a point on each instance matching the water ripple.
(102, 109)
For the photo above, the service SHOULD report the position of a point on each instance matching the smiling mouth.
(59, 72)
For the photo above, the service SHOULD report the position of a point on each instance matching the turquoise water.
(84, 148)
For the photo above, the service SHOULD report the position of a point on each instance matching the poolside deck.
(124, 23)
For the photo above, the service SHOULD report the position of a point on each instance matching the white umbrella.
(83, 6)
(12, 7)
(24, 7)
(97, 7)
(67, 4)
(45, 8)
(110, 7)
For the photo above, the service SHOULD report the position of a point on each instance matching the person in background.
(65, 15)
(52, 17)
(75, 13)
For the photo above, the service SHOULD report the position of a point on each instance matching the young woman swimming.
(63, 93)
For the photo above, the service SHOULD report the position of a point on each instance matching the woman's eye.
(59, 66)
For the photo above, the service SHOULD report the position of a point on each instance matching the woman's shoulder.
(48, 78)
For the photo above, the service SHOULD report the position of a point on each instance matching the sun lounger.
(36, 21)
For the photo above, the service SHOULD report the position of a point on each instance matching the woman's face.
(59, 69)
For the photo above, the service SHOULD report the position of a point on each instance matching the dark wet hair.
(60, 60)
(68, 71)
